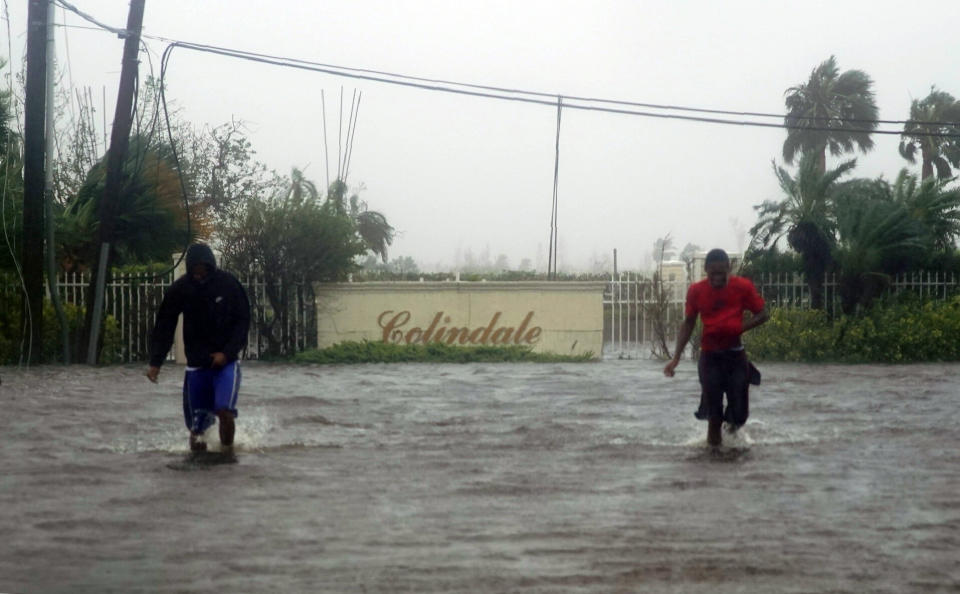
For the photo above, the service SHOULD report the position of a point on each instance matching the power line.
(402, 79)
(118, 31)
(552, 96)
(517, 95)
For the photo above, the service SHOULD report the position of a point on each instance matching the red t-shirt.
(722, 310)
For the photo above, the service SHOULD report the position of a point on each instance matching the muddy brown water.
(483, 478)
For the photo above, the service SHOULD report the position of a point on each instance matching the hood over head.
(200, 253)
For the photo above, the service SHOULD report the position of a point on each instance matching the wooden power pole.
(119, 143)
(31, 257)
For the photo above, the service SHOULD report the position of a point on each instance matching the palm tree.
(934, 207)
(301, 188)
(831, 110)
(372, 227)
(937, 113)
(805, 216)
(876, 237)
(150, 221)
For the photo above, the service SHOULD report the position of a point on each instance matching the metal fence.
(133, 303)
(637, 313)
(633, 313)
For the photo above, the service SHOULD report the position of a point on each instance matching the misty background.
(466, 177)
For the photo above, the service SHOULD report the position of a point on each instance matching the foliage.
(884, 228)
(10, 339)
(663, 249)
(150, 221)
(404, 266)
(934, 206)
(771, 260)
(687, 256)
(658, 309)
(290, 237)
(805, 215)
(372, 227)
(896, 330)
(11, 185)
(434, 352)
(8, 137)
(876, 237)
(222, 172)
(831, 110)
(937, 113)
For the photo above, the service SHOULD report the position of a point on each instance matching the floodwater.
(483, 478)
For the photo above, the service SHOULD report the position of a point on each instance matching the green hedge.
(381, 352)
(10, 339)
(895, 331)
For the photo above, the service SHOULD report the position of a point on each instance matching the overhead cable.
(517, 95)
(408, 80)
(119, 32)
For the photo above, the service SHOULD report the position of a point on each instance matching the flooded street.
(483, 478)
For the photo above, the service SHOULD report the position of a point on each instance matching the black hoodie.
(216, 313)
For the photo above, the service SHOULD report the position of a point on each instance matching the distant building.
(674, 271)
(674, 279)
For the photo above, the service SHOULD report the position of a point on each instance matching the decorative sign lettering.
(396, 329)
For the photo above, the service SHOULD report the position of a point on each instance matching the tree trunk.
(274, 345)
(815, 283)
(813, 247)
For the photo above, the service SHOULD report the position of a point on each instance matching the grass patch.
(434, 352)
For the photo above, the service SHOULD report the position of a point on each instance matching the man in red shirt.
(720, 300)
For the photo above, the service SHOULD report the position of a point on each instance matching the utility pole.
(48, 187)
(31, 257)
(119, 143)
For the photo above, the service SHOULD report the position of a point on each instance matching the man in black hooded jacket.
(216, 319)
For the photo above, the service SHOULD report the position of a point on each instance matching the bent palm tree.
(150, 221)
(876, 237)
(933, 206)
(937, 113)
(831, 110)
(805, 216)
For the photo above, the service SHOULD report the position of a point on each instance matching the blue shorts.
(207, 391)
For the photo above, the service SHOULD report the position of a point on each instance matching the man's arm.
(161, 339)
(755, 305)
(755, 320)
(683, 337)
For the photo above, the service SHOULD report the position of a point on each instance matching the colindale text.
(395, 330)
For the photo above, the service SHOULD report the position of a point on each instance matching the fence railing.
(631, 306)
(636, 311)
(134, 302)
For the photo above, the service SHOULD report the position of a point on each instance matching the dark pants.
(730, 373)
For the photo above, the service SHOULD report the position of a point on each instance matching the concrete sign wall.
(554, 317)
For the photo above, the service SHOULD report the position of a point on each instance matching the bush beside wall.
(896, 331)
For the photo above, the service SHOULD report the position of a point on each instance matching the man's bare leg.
(227, 429)
(713, 432)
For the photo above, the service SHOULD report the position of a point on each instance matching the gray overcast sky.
(455, 173)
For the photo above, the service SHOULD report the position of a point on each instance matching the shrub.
(434, 352)
(10, 340)
(897, 330)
